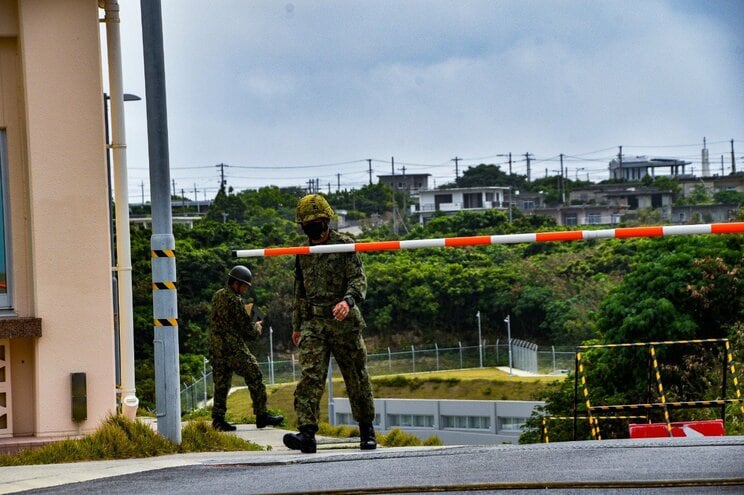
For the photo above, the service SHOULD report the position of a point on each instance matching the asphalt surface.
(667, 466)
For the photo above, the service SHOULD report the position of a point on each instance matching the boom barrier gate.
(662, 403)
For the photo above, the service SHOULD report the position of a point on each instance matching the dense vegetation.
(561, 294)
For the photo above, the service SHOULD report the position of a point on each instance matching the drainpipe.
(129, 401)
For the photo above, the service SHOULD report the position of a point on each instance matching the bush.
(399, 438)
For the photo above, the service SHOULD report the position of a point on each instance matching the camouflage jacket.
(325, 279)
(230, 324)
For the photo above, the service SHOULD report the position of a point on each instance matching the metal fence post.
(413, 359)
(436, 350)
(553, 348)
(460, 345)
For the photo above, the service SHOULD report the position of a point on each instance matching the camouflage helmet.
(241, 274)
(313, 207)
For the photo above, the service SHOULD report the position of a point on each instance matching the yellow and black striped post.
(593, 426)
(660, 386)
(737, 390)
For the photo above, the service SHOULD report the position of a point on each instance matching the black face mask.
(314, 230)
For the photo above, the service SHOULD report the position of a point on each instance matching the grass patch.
(199, 436)
(121, 438)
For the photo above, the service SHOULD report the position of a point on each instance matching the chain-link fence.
(525, 356)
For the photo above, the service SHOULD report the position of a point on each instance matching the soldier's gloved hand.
(259, 327)
(296, 338)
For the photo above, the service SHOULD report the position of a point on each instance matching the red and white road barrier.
(704, 428)
(481, 240)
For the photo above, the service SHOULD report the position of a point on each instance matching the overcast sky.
(283, 92)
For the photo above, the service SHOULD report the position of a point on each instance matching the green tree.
(487, 175)
(728, 198)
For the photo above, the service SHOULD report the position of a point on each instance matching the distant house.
(703, 213)
(577, 215)
(460, 199)
(637, 167)
(413, 183)
(713, 184)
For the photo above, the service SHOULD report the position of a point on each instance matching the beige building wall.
(51, 112)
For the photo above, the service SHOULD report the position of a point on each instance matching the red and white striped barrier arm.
(481, 240)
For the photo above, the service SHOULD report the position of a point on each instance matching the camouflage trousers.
(244, 364)
(319, 339)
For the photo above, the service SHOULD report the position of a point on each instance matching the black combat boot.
(220, 424)
(367, 436)
(304, 441)
(266, 419)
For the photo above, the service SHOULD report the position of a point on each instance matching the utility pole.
(510, 164)
(369, 162)
(457, 169)
(222, 166)
(338, 183)
(529, 173)
(733, 158)
(196, 200)
(405, 189)
(563, 186)
(163, 244)
(395, 220)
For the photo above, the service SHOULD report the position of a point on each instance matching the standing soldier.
(231, 327)
(326, 320)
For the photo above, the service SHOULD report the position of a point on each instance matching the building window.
(529, 204)
(472, 200)
(410, 420)
(594, 218)
(440, 199)
(466, 422)
(570, 220)
(348, 419)
(512, 424)
(5, 282)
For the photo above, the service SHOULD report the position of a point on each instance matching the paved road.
(667, 466)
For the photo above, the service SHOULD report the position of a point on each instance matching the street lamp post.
(114, 281)
(480, 339)
(508, 334)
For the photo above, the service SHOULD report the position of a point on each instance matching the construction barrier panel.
(706, 428)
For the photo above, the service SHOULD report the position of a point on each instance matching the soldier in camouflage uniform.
(327, 320)
(231, 326)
